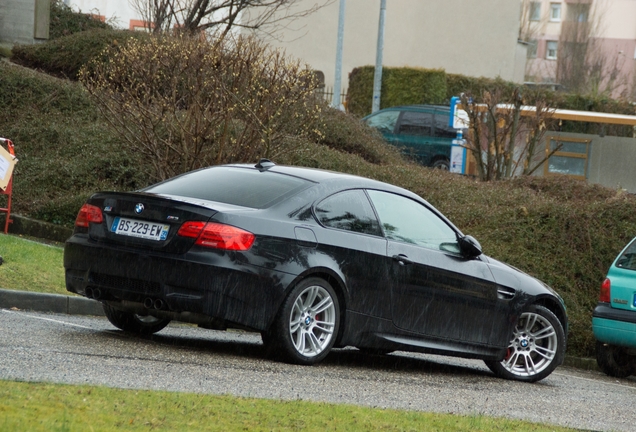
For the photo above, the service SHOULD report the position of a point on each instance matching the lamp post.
(377, 76)
(335, 101)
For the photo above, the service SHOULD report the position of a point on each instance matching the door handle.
(402, 259)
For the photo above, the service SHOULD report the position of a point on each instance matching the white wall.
(475, 38)
(17, 19)
(118, 13)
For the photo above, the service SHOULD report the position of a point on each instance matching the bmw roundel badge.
(139, 208)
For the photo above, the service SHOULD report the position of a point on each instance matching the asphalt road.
(88, 350)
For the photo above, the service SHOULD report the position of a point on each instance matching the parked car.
(312, 260)
(614, 318)
(420, 131)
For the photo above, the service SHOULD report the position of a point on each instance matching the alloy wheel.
(533, 346)
(312, 321)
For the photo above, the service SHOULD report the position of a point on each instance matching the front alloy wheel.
(536, 348)
(308, 322)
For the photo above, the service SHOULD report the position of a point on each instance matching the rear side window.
(237, 186)
(442, 129)
(349, 211)
(627, 259)
(416, 123)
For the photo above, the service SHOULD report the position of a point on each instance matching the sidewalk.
(51, 303)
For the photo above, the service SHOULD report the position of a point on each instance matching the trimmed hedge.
(407, 86)
(64, 21)
(400, 86)
(64, 57)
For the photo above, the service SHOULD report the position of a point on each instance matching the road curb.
(53, 303)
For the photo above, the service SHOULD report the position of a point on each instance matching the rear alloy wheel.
(306, 327)
(615, 361)
(537, 347)
(133, 323)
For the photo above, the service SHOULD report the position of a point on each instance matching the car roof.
(417, 107)
(413, 108)
(322, 176)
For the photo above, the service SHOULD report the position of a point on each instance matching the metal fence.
(327, 94)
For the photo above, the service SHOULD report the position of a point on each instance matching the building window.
(532, 48)
(569, 157)
(578, 12)
(555, 12)
(551, 50)
(535, 11)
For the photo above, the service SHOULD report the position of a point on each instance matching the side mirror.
(469, 247)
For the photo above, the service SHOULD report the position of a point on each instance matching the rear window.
(628, 258)
(230, 185)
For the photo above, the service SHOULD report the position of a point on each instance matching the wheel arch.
(337, 283)
(557, 309)
(439, 157)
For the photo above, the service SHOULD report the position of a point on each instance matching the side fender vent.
(504, 293)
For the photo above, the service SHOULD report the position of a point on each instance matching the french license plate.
(141, 229)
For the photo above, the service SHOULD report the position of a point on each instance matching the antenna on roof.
(264, 164)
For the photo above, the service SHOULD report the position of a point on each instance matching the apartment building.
(581, 45)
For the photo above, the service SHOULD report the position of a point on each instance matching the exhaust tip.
(97, 293)
(148, 303)
(159, 304)
(88, 292)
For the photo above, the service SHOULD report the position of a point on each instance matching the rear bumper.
(614, 326)
(221, 285)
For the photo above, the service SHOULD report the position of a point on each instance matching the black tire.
(614, 360)
(537, 347)
(132, 323)
(441, 164)
(307, 323)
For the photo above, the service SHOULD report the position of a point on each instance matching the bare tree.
(504, 134)
(183, 103)
(221, 16)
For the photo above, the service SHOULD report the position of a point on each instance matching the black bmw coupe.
(312, 260)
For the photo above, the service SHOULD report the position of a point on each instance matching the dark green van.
(420, 131)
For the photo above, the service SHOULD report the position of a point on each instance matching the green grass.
(31, 266)
(52, 407)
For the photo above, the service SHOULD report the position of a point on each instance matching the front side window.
(349, 211)
(384, 121)
(408, 221)
(627, 259)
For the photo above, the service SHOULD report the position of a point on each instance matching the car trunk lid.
(146, 221)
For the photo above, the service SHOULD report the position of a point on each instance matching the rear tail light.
(605, 291)
(216, 235)
(88, 214)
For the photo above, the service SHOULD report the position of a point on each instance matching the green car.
(614, 318)
(420, 131)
